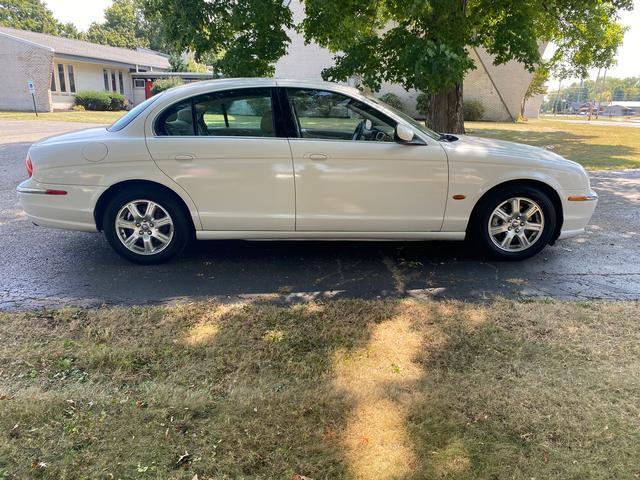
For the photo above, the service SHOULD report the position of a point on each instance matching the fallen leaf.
(184, 458)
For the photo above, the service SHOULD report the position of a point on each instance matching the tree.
(537, 86)
(123, 26)
(240, 37)
(33, 15)
(427, 45)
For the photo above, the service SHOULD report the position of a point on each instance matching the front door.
(351, 175)
(223, 150)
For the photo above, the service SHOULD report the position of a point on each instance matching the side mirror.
(404, 134)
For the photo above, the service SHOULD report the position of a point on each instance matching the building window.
(53, 81)
(61, 79)
(105, 76)
(113, 82)
(121, 83)
(72, 79)
(138, 83)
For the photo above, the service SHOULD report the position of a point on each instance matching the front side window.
(72, 79)
(333, 116)
(61, 80)
(233, 113)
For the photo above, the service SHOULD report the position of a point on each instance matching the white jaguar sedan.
(284, 159)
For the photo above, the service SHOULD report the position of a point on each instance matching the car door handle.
(184, 157)
(318, 156)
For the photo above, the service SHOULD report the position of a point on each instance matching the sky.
(83, 12)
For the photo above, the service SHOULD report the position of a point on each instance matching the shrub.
(102, 101)
(393, 100)
(165, 84)
(422, 104)
(473, 110)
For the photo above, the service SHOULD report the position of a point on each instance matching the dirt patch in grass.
(344, 389)
(593, 146)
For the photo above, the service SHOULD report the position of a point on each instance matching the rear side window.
(127, 118)
(177, 120)
(233, 113)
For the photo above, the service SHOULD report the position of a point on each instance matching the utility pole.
(604, 77)
(595, 88)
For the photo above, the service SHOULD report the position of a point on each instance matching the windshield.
(418, 125)
(128, 117)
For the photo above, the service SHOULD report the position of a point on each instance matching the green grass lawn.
(105, 118)
(338, 390)
(593, 146)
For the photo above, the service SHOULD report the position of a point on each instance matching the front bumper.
(71, 211)
(578, 209)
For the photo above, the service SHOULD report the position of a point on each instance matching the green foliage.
(422, 103)
(393, 100)
(611, 89)
(473, 110)
(425, 45)
(123, 26)
(177, 63)
(245, 37)
(538, 83)
(165, 84)
(102, 101)
(33, 15)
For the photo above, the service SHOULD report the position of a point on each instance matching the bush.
(165, 84)
(101, 101)
(473, 110)
(393, 100)
(422, 104)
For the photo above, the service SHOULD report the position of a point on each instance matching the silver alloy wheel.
(144, 227)
(516, 224)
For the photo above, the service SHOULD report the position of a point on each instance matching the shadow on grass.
(573, 146)
(349, 389)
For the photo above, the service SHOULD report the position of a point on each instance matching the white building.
(59, 67)
(500, 89)
(621, 108)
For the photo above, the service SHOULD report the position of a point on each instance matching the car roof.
(204, 86)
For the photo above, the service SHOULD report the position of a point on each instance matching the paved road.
(48, 268)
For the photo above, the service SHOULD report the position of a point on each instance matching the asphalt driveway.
(41, 267)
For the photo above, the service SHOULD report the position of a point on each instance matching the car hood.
(90, 134)
(490, 150)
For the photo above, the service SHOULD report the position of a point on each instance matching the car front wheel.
(514, 223)
(145, 226)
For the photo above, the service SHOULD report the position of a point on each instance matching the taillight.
(29, 165)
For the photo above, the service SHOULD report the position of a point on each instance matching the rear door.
(224, 149)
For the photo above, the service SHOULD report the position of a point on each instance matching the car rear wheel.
(514, 223)
(145, 226)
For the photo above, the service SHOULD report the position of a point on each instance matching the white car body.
(295, 188)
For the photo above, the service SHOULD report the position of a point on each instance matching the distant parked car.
(280, 159)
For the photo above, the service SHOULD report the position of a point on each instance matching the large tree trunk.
(444, 110)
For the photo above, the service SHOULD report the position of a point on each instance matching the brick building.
(60, 67)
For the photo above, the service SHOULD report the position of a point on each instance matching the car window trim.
(275, 108)
(298, 127)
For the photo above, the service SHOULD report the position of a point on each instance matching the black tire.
(478, 231)
(181, 230)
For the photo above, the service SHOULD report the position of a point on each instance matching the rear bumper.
(71, 211)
